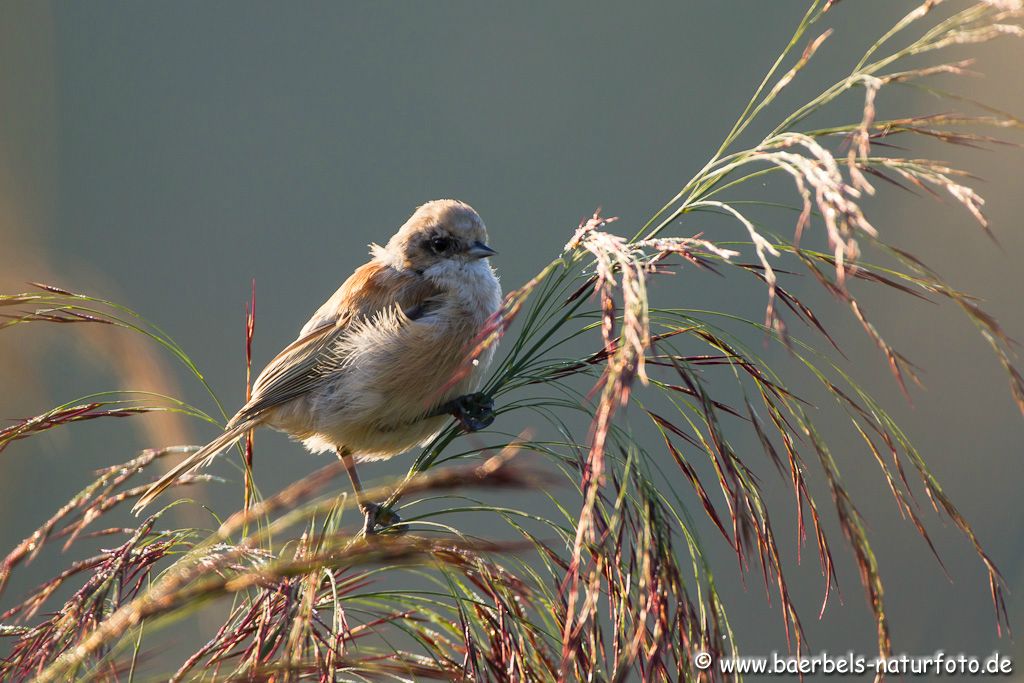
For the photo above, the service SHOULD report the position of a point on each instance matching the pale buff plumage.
(378, 357)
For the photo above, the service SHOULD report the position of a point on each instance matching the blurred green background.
(164, 154)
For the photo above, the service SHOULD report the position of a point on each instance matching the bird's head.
(443, 236)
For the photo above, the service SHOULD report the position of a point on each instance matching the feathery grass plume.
(603, 576)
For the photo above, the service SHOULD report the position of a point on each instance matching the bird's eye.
(440, 244)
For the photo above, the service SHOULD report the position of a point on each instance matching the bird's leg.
(473, 411)
(373, 513)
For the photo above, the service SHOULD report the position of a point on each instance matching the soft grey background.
(164, 154)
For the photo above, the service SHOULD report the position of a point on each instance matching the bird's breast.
(397, 371)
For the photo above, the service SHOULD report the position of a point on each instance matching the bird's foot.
(379, 519)
(473, 411)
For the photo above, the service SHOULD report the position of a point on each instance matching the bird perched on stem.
(376, 370)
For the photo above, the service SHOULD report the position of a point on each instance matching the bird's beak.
(480, 250)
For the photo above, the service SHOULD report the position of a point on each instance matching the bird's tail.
(201, 458)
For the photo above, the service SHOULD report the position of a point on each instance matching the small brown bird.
(370, 375)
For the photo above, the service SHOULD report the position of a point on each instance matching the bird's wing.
(303, 364)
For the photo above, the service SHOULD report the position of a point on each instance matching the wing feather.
(313, 357)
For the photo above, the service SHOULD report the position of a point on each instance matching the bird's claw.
(379, 519)
(474, 411)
